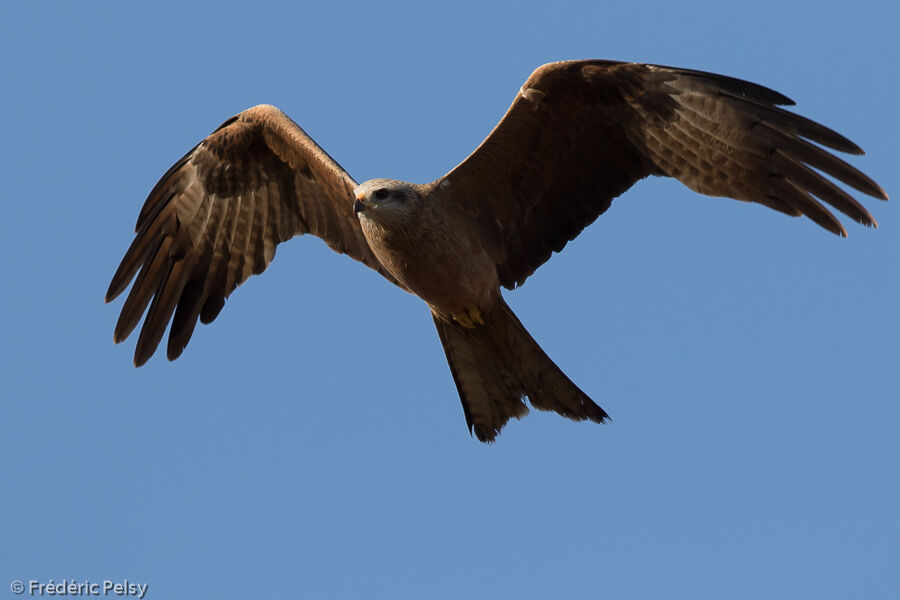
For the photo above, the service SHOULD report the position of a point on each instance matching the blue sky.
(310, 443)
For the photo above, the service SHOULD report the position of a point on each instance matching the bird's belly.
(451, 286)
(452, 275)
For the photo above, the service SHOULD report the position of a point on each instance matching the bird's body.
(437, 254)
(578, 134)
(414, 236)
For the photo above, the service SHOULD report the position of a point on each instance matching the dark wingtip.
(595, 413)
(831, 138)
(141, 358)
(113, 291)
(174, 351)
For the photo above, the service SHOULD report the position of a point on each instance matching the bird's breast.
(438, 259)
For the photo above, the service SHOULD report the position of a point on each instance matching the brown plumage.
(577, 135)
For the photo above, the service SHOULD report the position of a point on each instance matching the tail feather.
(497, 365)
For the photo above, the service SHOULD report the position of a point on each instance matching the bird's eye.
(381, 194)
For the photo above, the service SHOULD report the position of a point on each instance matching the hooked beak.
(358, 206)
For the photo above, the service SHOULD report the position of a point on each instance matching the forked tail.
(496, 365)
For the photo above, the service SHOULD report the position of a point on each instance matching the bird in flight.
(577, 135)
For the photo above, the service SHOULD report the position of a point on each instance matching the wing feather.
(216, 217)
(580, 133)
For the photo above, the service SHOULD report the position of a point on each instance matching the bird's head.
(383, 198)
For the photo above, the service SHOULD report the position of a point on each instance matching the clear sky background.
(310, 443)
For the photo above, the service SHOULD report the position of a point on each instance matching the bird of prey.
(577, 135)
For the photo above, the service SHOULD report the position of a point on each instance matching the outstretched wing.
(580, 133)
(216, 217)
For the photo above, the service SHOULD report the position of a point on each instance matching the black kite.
(577, 135)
